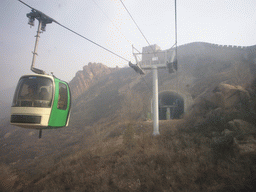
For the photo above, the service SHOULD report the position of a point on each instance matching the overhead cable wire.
(142, 35)
(136, 25)
(112, 22)
(78, 33)
(176, 41)
(123, 36)
(114, 25)
(92, 42)
(135, 49)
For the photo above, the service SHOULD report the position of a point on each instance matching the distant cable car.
(41, 102)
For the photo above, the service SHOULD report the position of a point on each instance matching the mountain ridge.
(84, 78)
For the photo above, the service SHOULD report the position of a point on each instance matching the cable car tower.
(41, 101)
(153, 58)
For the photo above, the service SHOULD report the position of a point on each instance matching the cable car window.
(33, 92)
(63, 96)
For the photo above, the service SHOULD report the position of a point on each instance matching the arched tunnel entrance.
(171, 105)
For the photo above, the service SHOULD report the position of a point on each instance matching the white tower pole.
(155, 102)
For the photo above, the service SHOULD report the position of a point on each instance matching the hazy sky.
(226, 22)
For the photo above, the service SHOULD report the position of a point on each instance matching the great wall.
(211, 45)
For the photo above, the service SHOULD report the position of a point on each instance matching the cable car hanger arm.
(46, 16)
(50, 20)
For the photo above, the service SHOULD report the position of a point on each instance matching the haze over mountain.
(106, 99)
(5, 102)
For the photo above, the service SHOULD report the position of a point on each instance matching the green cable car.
(41, 102)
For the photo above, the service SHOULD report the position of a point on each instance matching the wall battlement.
(197, 50)
(227, 47)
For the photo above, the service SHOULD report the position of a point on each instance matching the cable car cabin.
(41, 102)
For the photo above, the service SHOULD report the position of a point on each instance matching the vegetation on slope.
(174, 161)
(192, 154)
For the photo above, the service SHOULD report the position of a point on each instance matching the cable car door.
(61, 105)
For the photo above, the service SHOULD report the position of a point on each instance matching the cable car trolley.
(41, 101)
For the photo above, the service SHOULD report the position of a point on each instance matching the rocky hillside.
(108, 145)
(90, 73)
(197, 61)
